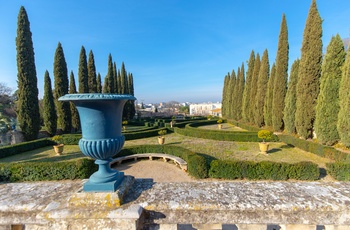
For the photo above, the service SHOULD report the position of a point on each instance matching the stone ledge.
(231, 203)
(249, 202)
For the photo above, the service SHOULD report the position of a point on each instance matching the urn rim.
(96, 96)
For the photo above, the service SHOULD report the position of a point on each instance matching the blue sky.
(176, 49)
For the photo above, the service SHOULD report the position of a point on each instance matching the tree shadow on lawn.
(274, 150)
(63, 157)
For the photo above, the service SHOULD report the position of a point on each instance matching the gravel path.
(158, 170)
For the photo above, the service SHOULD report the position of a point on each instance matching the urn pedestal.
(101, 124)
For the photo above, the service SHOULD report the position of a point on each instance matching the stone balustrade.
(206, 204)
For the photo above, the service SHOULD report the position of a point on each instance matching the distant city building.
(205, 109)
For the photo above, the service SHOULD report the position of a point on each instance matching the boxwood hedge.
(43, 171)
(264, 170)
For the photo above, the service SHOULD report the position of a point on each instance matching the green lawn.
(46, 154)
(278, 151)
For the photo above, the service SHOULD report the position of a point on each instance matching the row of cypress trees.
(67, 115)
(57, 114)
(316, 99)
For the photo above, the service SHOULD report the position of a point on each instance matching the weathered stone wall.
(192, 205)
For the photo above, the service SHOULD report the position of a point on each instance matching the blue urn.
(101, 124)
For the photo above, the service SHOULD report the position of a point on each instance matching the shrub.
(197, 166)
(265, 135)
(315, 148)
(339, 170)
(191, 130)
(264, 170)
(43, 171)
(10, 150)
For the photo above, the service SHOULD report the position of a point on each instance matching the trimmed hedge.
(315, 148)
(339, 170)
(197, 166)
(220, 135)
(244, 126)
(10, 150)
(43, 171)
(264, 170)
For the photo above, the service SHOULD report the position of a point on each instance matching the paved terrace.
(190, 205)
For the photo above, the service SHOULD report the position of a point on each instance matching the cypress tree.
(98, 83)
(241, 82)
(327, 107)
(73, 109)
(232, 94)
(291, 98)
(50, 116)
(261, 90)
(119, 81)
(269, 97)
(309, 73)
(343, 124)
(83, 72)
(115, 78)
(28, 104)
(246, 94)
(280, 83)
(254, 87)
(236, 95)
(123, 79)
(109, 79)
(92, 84)
(129, 107)
(64, 120)
(224, 102)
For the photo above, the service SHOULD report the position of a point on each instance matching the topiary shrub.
(264, 170)
(43, 171)
(339, 170)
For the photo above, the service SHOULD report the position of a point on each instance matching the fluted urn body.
(101, 124)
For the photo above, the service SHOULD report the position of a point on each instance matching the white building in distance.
(205, 109)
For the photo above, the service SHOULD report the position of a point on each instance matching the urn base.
(111, 186)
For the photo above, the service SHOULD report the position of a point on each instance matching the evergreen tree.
(235, 95)
(343, 124)
(280, 84)
(115, 78)
(246, 95)
(130, 105)
(109, 79)
(28, 104)
(60, 72)
(291, 98)
(327, 107)
(119, 82)
(241, 83)
(73, 109)
(232, 94)
(83, 72)
(261, 90)
(224, 107)
(123, 79)
(254, 87)
(98, 83)
(50, 116)
(92, 84)
(309, 73)
(269, 97)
